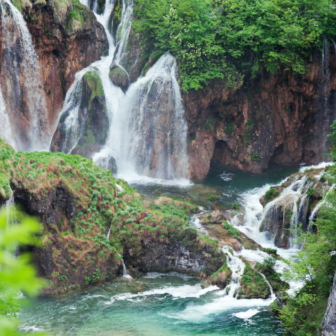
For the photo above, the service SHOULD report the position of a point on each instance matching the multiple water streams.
(172, 304)
(154, 304)
(137, 140)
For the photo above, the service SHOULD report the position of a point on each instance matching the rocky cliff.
(66, 37)
(272, 118)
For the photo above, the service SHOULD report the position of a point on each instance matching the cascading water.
(5, 126)
(148, 130)
(21, 84)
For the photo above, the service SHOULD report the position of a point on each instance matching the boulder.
(119, 77)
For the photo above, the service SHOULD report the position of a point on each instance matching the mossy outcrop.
(88, 223)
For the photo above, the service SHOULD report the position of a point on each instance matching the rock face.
(93, 123)
(329, 321)
(67, 38)
(271, 118)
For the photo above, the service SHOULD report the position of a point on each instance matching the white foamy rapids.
(206, 312)
(247, 314)
(321, 165)
(180, 292)
(224, 301)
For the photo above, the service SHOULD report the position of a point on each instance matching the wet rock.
(112, 165)
(119, 77)
(329, 321)
(92, 119)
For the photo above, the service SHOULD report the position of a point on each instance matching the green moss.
(95, 84)
(229, 128)
(271, 195)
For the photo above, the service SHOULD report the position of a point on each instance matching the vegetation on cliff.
(90, 219)
(222, 39)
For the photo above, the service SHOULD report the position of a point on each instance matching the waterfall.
(21, 82)
(108, 234)
(269, 286)
(148, 130)
(5, 126)
(265, 224)
(125, 274)
(73, 128)
(317, 208)
(237, 267)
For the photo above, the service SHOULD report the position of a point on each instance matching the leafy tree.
(16, 272)
(223, 39)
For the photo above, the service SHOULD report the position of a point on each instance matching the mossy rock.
(252, 285)
(119, 77)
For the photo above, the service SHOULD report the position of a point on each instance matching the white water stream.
(23, 80)
(145, 151)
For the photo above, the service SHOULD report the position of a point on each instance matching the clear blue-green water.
(139, 308)
(163, 305)
(224, 181)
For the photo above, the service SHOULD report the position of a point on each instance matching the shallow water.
(160, 305)
(226, 182)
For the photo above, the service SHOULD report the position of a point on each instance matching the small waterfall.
(269, 286)
(108, 234)
(323, 116)
(73, 128)
(148, 130)
(237, 267)
(125, 274)
(317, 208)
(265, 224)
(21, 82)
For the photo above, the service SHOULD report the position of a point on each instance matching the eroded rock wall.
(67, 38)
(271, 118)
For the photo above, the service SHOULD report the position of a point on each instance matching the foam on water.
(246, 314)
(179, 292)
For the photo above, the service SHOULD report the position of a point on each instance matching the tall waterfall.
(22, 100)
(148, 130)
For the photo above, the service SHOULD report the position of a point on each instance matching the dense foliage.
(224, 38)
